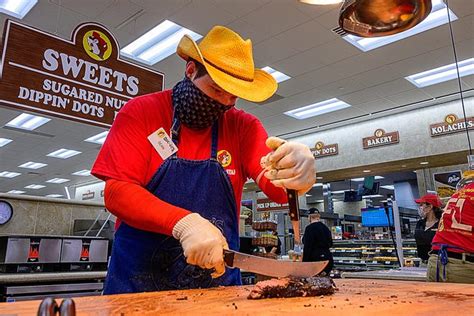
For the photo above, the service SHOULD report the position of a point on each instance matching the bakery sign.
(452, 124)
(381, 138)
(267, 205)
(321, 150)
(82, 79)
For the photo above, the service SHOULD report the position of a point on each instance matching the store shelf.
(367, 255)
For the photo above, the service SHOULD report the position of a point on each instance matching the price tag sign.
(362, 261)
(387, 262)
(351, 261)
(377, 250)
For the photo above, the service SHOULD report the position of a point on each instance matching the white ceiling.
(289, 36)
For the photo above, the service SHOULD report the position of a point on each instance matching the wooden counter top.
(355, 297)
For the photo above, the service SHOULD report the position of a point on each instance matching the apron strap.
(175, 127)
(215, 138)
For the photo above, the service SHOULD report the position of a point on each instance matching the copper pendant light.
(373, 18)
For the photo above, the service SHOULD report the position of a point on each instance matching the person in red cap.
(452, 257)
(430, 213)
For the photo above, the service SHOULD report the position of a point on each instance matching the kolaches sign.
(452, 124)
(83, 79)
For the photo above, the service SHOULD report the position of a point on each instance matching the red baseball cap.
(432, 199)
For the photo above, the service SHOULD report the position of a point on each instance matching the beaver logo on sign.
(450, 118)
(97, 45)
(224, 158)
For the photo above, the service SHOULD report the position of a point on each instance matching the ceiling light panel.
(442, 74)
(158, 43)
(54, 195)
(279, 76)
(27, 122)
(17, 8)
(4, 141)
(35, 186)
(98, 139)
(57, 180)
(437, 17)
(63, 153)
(321, 2)
(319, 108)
(362, 179)
(16, 192)
(83, 173)
(388, 187)
(9, 174)
(33, 165)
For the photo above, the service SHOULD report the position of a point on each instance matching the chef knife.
(272, 267)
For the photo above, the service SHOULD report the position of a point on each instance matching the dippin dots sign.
(82, 79)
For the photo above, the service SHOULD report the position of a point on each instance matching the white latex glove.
(290, 165)
(202, 242)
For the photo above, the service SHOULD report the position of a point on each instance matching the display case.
(364, 255)
(265, 237)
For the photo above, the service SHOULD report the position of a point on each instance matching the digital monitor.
(369, 182)
(363, 190)
(376, 217)
(352, 196)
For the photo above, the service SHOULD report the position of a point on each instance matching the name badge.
(162, 143)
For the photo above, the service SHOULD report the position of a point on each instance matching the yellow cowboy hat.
(229, 62)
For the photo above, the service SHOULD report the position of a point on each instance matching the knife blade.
(272, 267)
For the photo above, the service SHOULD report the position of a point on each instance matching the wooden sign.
(381, 138)
(267, 205)
(320, 150)
(452, 124)
(83, 79)
(88, 195)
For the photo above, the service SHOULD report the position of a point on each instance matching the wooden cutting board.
(354, 297)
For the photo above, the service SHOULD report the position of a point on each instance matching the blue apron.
(143, 261)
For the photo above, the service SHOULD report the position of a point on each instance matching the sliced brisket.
(293, 287)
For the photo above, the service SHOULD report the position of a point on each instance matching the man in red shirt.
(175, 163)
(452, 258)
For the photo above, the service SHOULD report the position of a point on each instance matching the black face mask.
(194, 108)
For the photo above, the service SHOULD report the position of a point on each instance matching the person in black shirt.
(317, 240)
(430, 212)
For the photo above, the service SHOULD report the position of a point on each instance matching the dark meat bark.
(293, 287)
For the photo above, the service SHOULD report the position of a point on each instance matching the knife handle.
(294, 208)
(228, 258)
(293, 204)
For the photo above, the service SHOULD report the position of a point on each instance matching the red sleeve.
(140, 209)
(253, 149)
(124, 155)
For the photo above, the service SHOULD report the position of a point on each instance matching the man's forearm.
(141, 209)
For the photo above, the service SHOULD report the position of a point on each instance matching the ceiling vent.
(32, 173)
(24, 131)
(339, 31)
